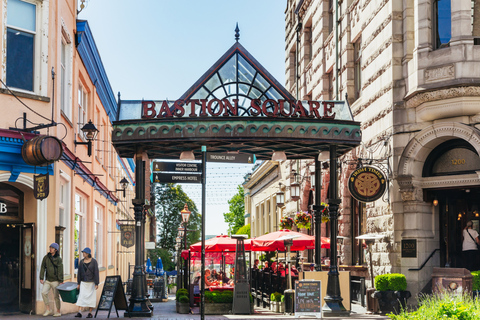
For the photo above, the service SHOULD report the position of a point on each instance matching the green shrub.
(244, 230)
(282, 298)
(219, 297)
(181, 292)
(183, 299)
(476, 280)
(391, 281)
(276, 297)
(444, 306)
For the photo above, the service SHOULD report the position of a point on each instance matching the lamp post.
(138, 301)
(185, 216)
(90, 133)
(333, 306)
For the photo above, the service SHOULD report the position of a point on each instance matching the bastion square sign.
(236, 107)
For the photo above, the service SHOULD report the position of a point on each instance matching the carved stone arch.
(417, 150)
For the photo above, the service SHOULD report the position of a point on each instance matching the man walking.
(52, 271)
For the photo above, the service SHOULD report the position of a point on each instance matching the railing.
(423, 265)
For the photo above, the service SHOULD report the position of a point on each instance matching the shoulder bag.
(478, 246)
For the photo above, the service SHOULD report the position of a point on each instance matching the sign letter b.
(3, 208)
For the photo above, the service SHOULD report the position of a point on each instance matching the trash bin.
(289, 297)
(68, 291)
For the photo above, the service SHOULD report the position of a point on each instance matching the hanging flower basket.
(303, 220)
(325, 213)
(286, 223)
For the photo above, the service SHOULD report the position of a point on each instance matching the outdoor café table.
(220, 288)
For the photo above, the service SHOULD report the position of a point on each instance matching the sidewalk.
(166, 311)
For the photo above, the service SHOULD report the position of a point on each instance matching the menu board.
(112, 293)
(308, 298)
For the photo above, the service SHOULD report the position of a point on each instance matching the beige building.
(410, 70)
(54, 83)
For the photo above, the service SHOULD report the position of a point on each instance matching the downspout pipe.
(337, 67)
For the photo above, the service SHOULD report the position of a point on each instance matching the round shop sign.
(367, 184)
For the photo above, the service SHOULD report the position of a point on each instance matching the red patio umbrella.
(220, 243)
(275, 241)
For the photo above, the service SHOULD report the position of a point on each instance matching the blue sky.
(157, 49)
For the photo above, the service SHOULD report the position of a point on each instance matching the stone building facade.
(52, 73)
(410, 72)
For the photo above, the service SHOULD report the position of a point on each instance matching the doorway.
(9, 268)
(456, 208)
(17, 268)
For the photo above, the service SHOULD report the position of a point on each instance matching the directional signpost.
(231, 157)
(176, 172)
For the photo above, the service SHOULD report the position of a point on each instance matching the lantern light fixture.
(90, 133)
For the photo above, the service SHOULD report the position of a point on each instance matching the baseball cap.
(87, 250)
(55, 246)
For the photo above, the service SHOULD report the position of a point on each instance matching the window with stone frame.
(65, 79)
(357, 54)
(442, 23)
(330, 15)
(20, 42)
(82, 109)
(330, 86)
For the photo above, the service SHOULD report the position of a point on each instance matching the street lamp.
(123, 185)
(90, 133)
(185, 216)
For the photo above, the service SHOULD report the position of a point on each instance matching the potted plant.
(275, 301)
(476, 284)
(282, 304)
(303, 220)
(172, 287)
(183, 301)
(391, 292)
(286, 223)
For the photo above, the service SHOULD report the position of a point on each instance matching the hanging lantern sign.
(127, 235)
(367, 184)
(41, 186)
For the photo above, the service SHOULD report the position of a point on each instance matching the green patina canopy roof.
(235, 76)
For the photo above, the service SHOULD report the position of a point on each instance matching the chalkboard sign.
(308, 298)
(112, 293)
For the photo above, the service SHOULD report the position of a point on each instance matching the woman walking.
(87, 280)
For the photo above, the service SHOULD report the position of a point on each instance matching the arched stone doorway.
(439, 163)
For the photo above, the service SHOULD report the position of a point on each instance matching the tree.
(154, 254)
(235, 218)
(170, 199)
(244, 230)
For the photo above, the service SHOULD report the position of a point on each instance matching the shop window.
(98, 235)
(21, 33)
(11, 204)
(442, 23)
(358, 228)
(79, 232)
(64, 221)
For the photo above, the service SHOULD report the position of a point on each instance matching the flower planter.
(392, 301)
(183, 307)
(275, 306)
(218, 308)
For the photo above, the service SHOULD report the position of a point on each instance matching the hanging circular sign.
(367, 184)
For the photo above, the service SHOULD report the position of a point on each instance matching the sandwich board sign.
(308, 298)
(112, 293)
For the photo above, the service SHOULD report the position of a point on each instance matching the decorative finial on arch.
(237, 33)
